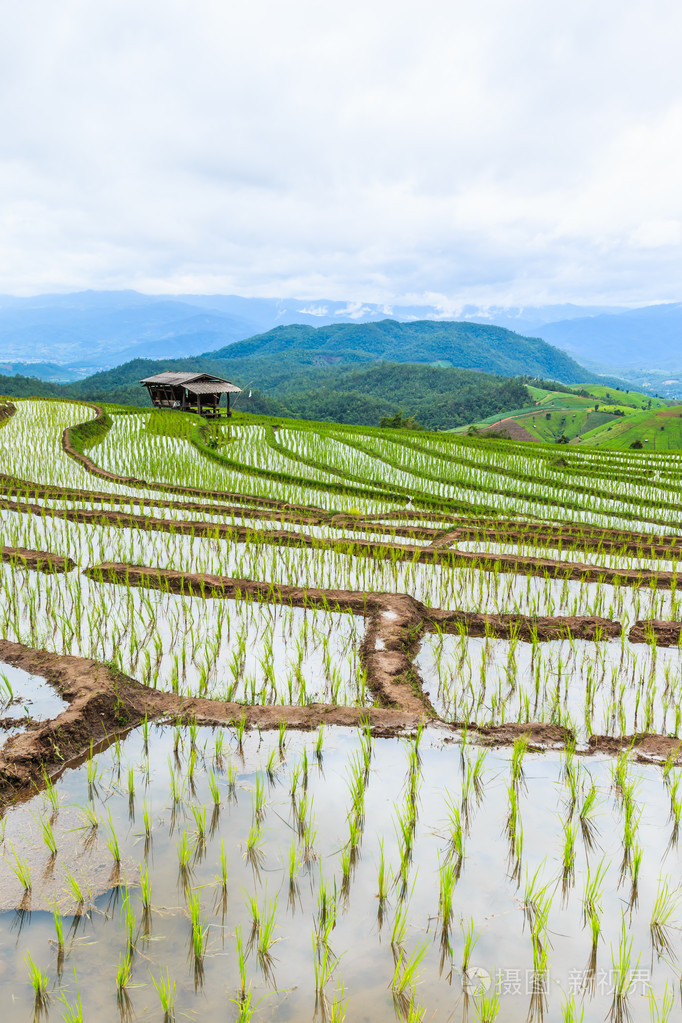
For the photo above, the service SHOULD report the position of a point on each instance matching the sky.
(488, 152)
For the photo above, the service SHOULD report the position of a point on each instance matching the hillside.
(438, 397)
(655, 430)
(598, 415)
(446, 374)
(464, 345)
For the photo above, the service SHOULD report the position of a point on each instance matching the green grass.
(608, 418)
(659, 430)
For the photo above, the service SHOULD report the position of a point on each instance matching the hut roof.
(213, 387)
(197, 383)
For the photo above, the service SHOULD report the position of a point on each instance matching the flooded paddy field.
(303, 722)
(334, 872)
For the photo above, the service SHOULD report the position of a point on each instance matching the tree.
(400, 422)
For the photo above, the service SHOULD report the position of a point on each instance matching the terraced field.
(317, 721)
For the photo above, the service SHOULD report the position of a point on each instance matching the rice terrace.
(316, 721)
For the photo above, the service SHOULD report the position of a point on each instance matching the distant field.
(658, 431)
(607, 417)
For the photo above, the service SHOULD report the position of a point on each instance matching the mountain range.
(91, 330)
(445, 373)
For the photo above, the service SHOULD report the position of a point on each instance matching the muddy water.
(25, 696)
(485, 892)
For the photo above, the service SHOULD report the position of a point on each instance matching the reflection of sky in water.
(24, 695)
(464, 677)
(484, 892)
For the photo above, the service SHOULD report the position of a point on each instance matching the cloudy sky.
(506, 151)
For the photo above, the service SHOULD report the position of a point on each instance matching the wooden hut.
(190, 392)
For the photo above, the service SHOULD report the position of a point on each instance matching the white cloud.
(353, 311)
(314, 310)
(489, 153)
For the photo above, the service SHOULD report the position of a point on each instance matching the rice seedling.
(39, 983)
(664, 916)
(50, 791)
(199, 930)
(7, 691)
(253, 850)
(487, 1002)
(448, 879)
(593, 892)
(21, 869)
(568, 851)
(339, 1005)
(240, 728)
(147, 819)
(112, 842)
(623, 972)
(587, 814)
(77, 892)
(382, 877)
(324, 964)
(48, 836)
(569, 1011)
(660, 1012)
(166, 992)
(407, 969)
(199, 814)
(245, 1008)
(241, 960)
(145, 887)
(518, 753)
(266, 931)
(58, 924)
(124, 971)
(470, 940)
(455, 828)
(185, 848)
(223, 866)
(259, 798)
(72, 1013)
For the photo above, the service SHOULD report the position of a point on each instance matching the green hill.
(595, 416)
(444, 373)
(438, 398)
(655, 430)
(463, 345)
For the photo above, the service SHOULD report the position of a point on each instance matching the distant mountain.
(40, 370)
(92, 330)
(464, 345)
(636, 339)
(445, 373)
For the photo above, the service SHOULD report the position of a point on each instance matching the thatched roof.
(213, 387)
(197, 383)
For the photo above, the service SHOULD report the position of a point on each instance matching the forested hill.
(445, 374)
(439, 398)
(464, 345)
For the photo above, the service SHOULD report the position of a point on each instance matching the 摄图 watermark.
(528, 982)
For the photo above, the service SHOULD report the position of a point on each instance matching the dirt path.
(472, 623)
(104, 704)
(37, 561)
